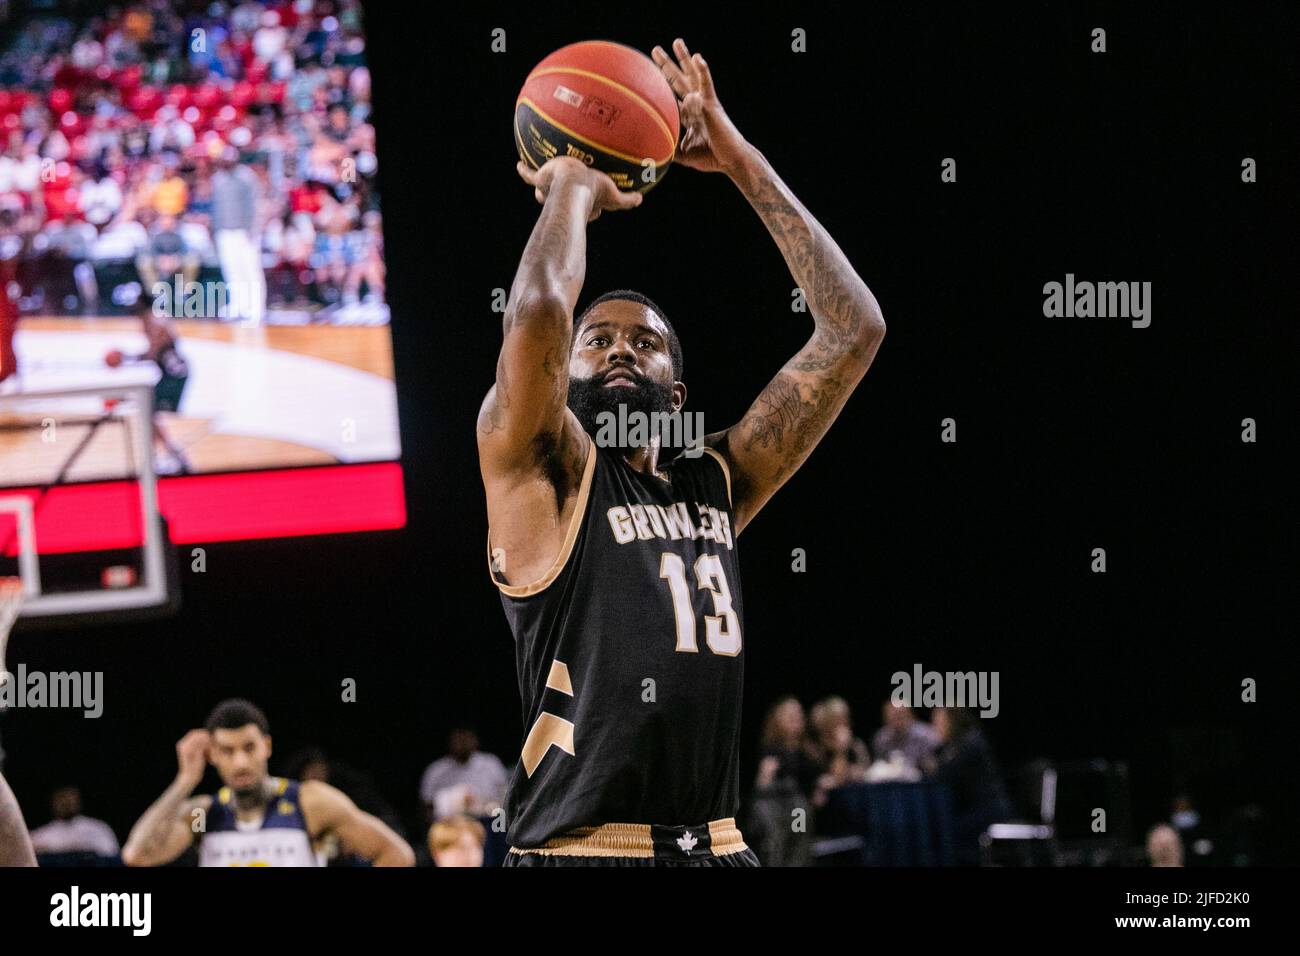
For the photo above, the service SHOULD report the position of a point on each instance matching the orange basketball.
(113, 358)
(605, 104)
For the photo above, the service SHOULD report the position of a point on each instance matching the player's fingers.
(676, 79)
(684, 58)
(526, 173)
(706, 77)
(540, 196)
(629, 200)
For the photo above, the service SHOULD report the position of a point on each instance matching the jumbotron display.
(188, 202)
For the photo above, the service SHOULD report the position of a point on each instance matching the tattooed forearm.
(794, 411)
(847, 317)
(532, 369)
(15, 843)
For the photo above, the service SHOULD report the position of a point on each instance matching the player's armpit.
(329, 810)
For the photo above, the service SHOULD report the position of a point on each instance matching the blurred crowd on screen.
(169, 137)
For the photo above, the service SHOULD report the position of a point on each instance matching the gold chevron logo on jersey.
(548, 731)
(285, 807)
(558, 678)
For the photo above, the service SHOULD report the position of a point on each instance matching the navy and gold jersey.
(629, 656)
(280, 838)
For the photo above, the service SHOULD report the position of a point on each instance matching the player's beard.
(589, 399)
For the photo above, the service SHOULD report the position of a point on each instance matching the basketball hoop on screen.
(11, 602)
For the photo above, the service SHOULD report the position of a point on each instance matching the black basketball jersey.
(629, 656)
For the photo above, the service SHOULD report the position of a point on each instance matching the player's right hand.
(605, 195)
(192, 755)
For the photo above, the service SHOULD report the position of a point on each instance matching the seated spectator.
(457, 841)
(788, 770)
(964, 763)
(165, 256)
(904, 738)
(70, 831)
(844, 756)
(464, 781)
(100, 196)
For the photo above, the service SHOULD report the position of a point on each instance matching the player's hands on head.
(192, 755)
(605, 195)
(710, 142)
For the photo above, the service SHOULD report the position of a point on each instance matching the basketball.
(113, 358)
(605, 104)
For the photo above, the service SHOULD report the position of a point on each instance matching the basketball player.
(618, 571)
(173, 374)
(255, 819)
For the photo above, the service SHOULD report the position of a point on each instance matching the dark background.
(1072, 433)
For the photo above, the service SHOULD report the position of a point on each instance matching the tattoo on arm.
(797, 407)
(842, 306)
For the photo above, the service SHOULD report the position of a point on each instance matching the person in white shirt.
(464, 781)
(70, 831)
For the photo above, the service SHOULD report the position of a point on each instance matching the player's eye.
(598, 341)
(649, 343)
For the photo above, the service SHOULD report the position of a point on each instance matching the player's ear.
(679, 396)
(267, 738)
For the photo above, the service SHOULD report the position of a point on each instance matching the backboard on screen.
(79, 520)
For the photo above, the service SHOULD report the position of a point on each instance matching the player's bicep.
(780, 430)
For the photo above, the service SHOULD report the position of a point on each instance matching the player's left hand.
(710, 142)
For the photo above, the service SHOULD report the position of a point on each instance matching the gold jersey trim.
(566, 549)
(726, 471)
(631, 839)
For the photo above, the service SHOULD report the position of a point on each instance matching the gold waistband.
(634, 839)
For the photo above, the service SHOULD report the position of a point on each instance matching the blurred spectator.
(71, 832)
(1164, 846)
(779, 822)
(165, 256)
(843, 755)
(457, 841)
(965, 763)
(914, 741)
(464, 781)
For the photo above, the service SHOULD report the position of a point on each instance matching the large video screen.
(188, 201)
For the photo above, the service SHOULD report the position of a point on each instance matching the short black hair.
(674, 343)
(235, 713)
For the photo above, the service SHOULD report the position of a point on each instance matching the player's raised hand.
(710, 141)
(605, 195)
(192, 756)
